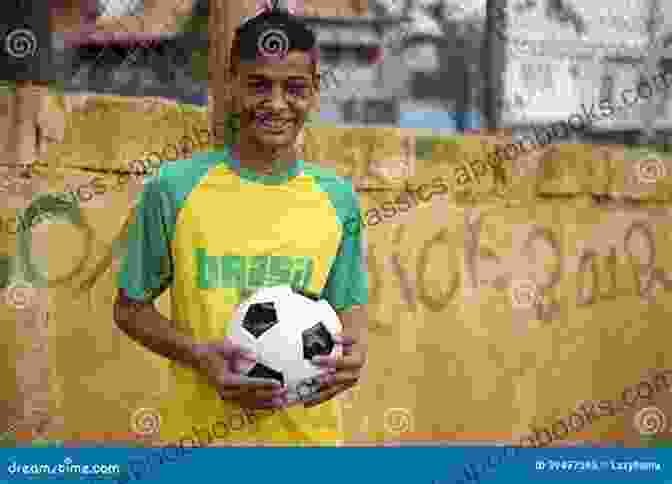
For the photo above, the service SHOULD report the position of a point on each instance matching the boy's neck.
(263, 160)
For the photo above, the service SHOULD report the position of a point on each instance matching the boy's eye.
(297, 89)
(261, 87)
(264, 88)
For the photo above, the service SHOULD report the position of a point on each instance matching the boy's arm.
(218, 362)
(144, 324)
(355, 326)
(148, 271)
(345, 371)
(347, 291)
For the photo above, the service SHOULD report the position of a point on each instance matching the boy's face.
(275, 96)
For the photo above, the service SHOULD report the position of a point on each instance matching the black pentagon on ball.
(259, 318)
(262, 371)
(317, 342)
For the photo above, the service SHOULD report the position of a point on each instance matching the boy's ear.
(315, 101)
(234, 92)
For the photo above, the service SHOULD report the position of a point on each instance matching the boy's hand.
(222, 364)
(344, 372)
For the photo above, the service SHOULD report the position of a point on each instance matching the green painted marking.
(251, 273)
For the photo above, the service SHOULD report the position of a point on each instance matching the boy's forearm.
(148, 327)
(354, 323)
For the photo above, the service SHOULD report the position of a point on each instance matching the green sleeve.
(348, 283)
(147, 269)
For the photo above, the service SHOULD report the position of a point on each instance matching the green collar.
(253, 176)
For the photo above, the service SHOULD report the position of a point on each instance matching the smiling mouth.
(273, 124)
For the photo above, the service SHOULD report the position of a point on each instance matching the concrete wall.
(496, 307)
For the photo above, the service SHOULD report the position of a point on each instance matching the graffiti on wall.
(598, 270)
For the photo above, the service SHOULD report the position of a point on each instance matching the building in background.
(377, 80)
(556, 63)
(553, 70)
(405, 86)
(356, 87)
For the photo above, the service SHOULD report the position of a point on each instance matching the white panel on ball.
(286, 329)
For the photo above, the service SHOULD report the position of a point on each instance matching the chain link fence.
(134, 64)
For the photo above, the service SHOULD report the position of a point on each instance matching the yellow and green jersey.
(213, 232)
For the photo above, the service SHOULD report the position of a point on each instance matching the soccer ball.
(286, 329)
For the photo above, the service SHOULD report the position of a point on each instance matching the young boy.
(225, 223)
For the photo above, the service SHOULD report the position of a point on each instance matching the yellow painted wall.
(454, 351)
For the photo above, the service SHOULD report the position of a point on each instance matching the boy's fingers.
(246, 354)
(263, 403)
(350, 361)
(344, 339)
(232, 351)
(340, 378)
(247, 395)
(255, 394)
(327, 394)
(233, 381)
(228, 394)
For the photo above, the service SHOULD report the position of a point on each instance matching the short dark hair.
(271, 27)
